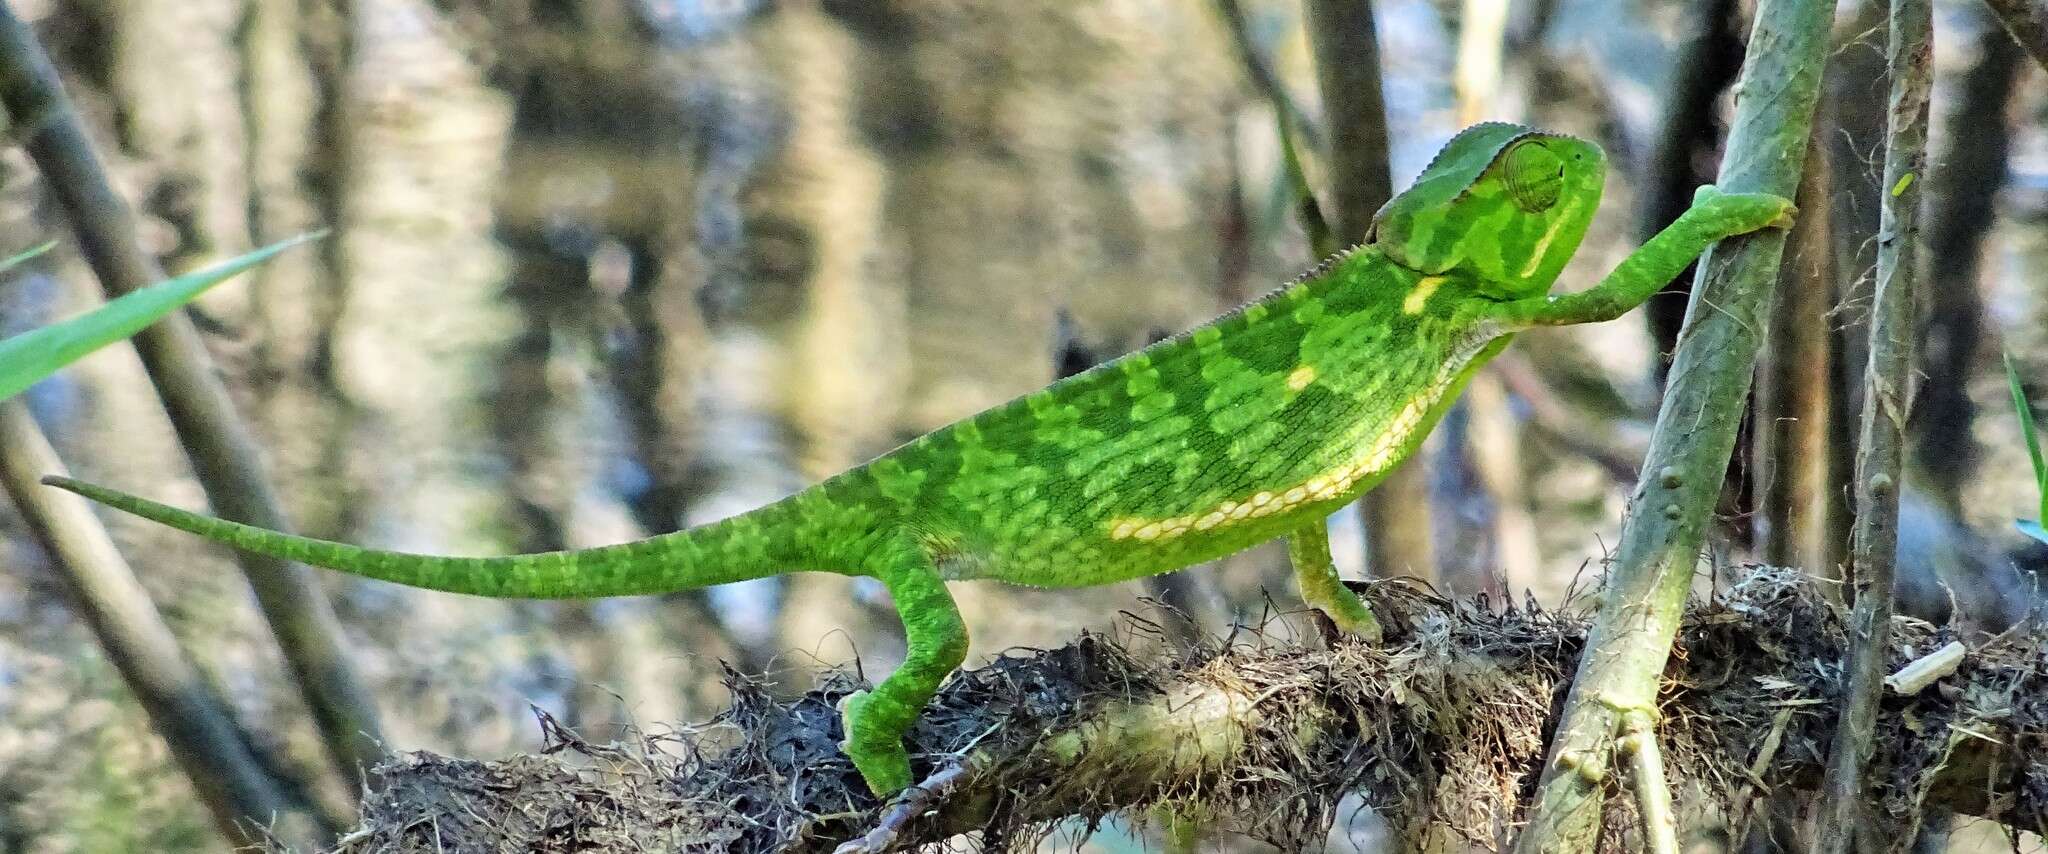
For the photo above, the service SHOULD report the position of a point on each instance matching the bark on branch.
(1887, 397)
(1440, 729)
(1725, 322)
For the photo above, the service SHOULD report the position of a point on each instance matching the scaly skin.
(1252, 427)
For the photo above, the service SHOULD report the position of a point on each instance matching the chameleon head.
(1505, 203)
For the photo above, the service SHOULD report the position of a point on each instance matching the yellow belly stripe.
(1328, 485)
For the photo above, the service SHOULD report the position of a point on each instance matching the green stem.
(1710, 377)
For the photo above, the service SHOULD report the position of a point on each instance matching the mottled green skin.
(1027, 492)
(1158, 460)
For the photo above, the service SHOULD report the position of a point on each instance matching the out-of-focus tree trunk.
(1687, 145)
(1978, 137)
(1398, 530)
(1042, 157)
(1791, 403)
(1856, 96)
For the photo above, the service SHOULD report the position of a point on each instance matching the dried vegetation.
(1441, 729)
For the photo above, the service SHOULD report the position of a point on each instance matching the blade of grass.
(2033, 439)
(33, 355)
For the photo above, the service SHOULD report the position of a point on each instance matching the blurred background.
(605, 268)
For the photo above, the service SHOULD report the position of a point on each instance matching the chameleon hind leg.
(877, 719)
(1308, 548)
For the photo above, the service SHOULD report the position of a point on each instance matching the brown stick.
(223, 453)
(1887, 382)
(202, 737)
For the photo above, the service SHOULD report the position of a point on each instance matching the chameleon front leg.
(1308, 548)
(1714, 215)
(876, 720)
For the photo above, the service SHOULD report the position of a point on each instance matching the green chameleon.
(1255, 426)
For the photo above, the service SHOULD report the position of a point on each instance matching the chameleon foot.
(1351, 616)
(879, 756)
(1309, 550)
(1747, 211)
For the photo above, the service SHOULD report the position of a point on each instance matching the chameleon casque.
(1255, 426)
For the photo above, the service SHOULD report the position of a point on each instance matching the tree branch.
(1438, 730)
(1703, 405)
(1887, 397)
(204, 740)
(224, 454)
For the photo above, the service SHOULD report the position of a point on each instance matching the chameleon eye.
(1534, 175)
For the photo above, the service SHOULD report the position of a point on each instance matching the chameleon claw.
(1753, 211)
(879, 757)
(1353, 618)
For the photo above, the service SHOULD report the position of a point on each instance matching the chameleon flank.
(1252, 427)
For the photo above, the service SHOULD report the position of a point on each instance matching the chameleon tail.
(735, 549)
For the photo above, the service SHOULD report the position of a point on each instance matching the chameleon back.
(1198, 446)
(1273, 415)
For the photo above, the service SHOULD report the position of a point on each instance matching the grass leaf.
(33, 355)
(2026, 413)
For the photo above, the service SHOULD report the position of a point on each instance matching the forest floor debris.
(1442, 729)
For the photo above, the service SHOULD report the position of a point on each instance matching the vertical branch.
(1629, 643)
(1857, 87)
(203, 739)
(1887, 395)
(1347, 52)
(1346, 45)
(223, 453)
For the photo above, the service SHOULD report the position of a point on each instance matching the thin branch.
(1347, 51)
(223, 453)
(1887, 384)
(1646, 778)
(2027, 20)
(193, 721)
(1436, 730)
(1703, 405)
(1259, 68)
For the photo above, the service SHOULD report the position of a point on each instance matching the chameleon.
(1254, 427)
